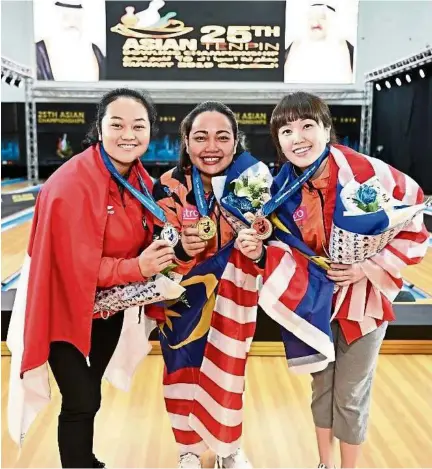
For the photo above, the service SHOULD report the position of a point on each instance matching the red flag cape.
(65, 248)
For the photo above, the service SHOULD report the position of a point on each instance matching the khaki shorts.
(341, 393)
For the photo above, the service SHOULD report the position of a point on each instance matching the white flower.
(265, 197)
(250, 217)
(251, 186)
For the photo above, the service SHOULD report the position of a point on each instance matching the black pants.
(80, 387)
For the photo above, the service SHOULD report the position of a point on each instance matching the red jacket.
(84, 235)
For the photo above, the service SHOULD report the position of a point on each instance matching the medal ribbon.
(146, 199)
(284, 193)
(203, 207)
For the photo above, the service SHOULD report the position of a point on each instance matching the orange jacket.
(173, 192)
(309, 217)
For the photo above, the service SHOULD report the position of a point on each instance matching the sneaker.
(189, 460)
(236, 460)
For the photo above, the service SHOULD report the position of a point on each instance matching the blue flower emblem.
(366, 198)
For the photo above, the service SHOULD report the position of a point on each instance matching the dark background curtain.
(402, 125)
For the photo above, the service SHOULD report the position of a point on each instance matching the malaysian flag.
(205, 339)
(362, 307)
(297, 294)
(291, 268)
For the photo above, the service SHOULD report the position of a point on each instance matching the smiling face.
(211, 143)
(302, 141)
(125, 131)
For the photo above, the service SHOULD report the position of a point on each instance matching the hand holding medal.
(155, 258)
(192, 243)
(249, 244)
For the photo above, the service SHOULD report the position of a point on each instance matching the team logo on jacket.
(190, 213)
(300, 214)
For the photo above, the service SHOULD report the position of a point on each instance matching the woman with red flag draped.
(89, 232)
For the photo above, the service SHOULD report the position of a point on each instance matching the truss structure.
(14, 74)
(404, 65)
(37, 91)
(171, 94)
(401, 66)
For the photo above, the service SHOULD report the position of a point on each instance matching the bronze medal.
(263, 227)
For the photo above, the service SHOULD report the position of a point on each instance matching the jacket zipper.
(312, 188)
(322, 212)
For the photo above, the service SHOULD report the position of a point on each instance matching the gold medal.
(206, 228)
(263, 227)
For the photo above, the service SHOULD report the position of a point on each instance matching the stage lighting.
(12, 79)
(378, 87)
(422, 73)
(398, 82)
(387, 83)
(408, 78)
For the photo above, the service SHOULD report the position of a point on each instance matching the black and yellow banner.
(195, 40)
(291, 41)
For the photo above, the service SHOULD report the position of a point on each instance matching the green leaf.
(256, 203)
(372, 207)
(361, 205)
(168, 269)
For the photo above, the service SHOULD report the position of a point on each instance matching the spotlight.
(422, 73)
(12, 79)
(378, 87)
(398, 82)
(387, 83)
(408, 78)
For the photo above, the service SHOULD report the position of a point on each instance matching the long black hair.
(187, 122)
(92, 137)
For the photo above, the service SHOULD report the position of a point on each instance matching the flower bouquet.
(161, 287)
(365, 220)
(243, 191)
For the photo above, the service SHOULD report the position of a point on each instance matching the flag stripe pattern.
(205, 404)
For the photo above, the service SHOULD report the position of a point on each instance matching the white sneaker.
(236, 460)
(189, 460)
